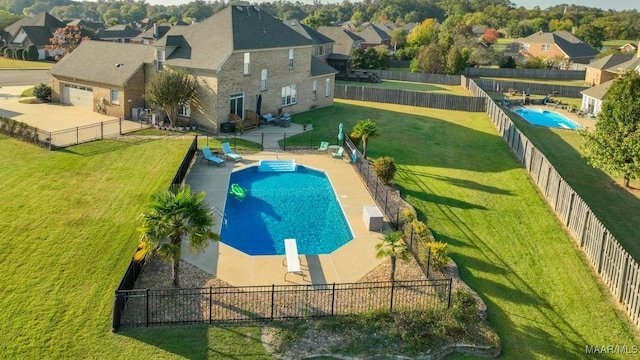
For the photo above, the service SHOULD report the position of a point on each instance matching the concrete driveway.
(50, 116)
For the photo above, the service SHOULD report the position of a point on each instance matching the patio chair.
(339, 154)
(226, 149)
(324, 145)
(270, 119)
(207, 155)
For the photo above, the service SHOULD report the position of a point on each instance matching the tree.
(42, 92)
(65, 40)
(431, 59)
(7, 18)
(398, 37)
(173, 214)
(365, 129)
(590, 34)
(614, 146)
(392, 246)
(490, 36)
(171, 90)
(424, 33)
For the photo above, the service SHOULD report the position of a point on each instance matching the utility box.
(373, 218)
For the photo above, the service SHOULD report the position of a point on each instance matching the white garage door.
(77, 96)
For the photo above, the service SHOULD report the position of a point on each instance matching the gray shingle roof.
(118, 32)
(95, 61)
(39, 28)
(373, 35)
(344, 39)
(610, 60)
(319, 68)
(236, 28)
(308, 32)
(571, 45)
(598, 91)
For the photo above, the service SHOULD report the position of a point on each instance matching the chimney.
(155, 30)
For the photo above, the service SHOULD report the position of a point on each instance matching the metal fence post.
(210, 304)
(120, 126)
(77, 135)
(450, 285)
(101, 129)
(146, 296)
(393, 283)
(333, 297)
(273, 290)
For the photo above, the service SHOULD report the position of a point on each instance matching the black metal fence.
(281, 141)
(133, 270)
(145, 307)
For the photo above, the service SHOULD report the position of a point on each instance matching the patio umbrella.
(258, 105)
(340, 135)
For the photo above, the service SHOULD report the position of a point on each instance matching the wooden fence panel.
(631, 296)
(500, 86)
(564, 201)
(418, 77)
(526, 73)
(553, 187)
(578, 219)
(594, 238)
(614, 265)
(543, 176)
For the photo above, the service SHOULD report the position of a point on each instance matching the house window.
(327, 89)
(184, 110)
(289, 95)
(247, 63)
(160, 59)
(320, 51)
(314, 94)
(525, 47)
(115, 96)
(546, 47)
(291, 58)
(263, 79)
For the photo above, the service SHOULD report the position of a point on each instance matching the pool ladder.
(220, 213)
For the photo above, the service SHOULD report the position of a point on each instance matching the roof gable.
(308, 32)
(118, 31)
(567, 42)
(44, 20)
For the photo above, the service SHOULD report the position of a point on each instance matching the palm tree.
(392, 246)
(364, 129)
(172, 214)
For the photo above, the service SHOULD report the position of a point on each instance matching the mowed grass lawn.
(543, 297)
(67, 236)
(21, 64)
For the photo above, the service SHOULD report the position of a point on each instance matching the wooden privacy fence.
(612, 262)
(526, 73)
(412, 98)
(418, 77)
(530, 88)
(147, 307)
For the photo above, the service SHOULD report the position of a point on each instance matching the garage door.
(77, 96)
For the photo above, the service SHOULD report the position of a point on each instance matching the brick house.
(239, 57)
(36, 30)
(322, 45)
(552, 45)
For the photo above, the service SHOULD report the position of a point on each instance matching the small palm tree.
(392, 246)
(364, 129)
(172, 214)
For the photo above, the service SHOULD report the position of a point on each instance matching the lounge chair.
(292, 259)
(226, 149)
(207, 155)
(324, 145)
(339, 154)
(268, 118)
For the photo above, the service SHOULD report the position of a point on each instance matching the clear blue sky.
(605, 5)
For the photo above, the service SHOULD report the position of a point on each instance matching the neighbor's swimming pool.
(280, 205)
(547, 118)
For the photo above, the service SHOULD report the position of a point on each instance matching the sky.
(605, 5)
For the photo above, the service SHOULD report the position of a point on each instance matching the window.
(525, 47)
(184, 110)
(327, 90)
(291, 58)
(320, 50)
(263, 79)
(314, 94)
(289, 95)
(546, 47)
(247, 63)
(115, 96)
(160, 59)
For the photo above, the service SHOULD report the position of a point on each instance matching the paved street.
(18, 77)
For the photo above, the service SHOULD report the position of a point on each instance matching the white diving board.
(292, 259)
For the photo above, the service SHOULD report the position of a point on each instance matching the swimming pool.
(547, 118)
(299, 204)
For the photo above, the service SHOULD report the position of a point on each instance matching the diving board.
(292, 259)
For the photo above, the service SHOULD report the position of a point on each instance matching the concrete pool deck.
(584, 121)
(346, 264)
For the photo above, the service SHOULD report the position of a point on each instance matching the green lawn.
(67, 237)
(21, 64)
(456, 170)
(412, 86)
(541, 81)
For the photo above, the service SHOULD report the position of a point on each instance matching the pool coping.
(348, 263)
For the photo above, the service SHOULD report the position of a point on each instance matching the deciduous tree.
(65, 40)
(614, 146)
(171, 90)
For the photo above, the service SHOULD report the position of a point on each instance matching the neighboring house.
(157, 31)
(93, 26)
(628, 48)
(345, 40)
(601, 74)
(322, 45)
(37, 30)
(235, 66)
(373, 36)
(118, 33)
(478, 30)
(555, 45)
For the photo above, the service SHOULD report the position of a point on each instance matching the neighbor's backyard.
(70, 232)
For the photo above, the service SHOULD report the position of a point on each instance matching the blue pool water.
(547, 118)
(280, 205)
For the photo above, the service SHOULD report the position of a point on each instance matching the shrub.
(18, 54)
(465, 307)
(439, 254)
(385, 168)
(32, 53)
(7, 53)
(421, 229)
(42, 92)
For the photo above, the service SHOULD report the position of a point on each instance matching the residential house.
(241, 58)
(118, 33)
(36, 30)
(553, 45)
(602, 73)
(345, 40)
(93, 26)
(322, 45)
(156, 32)
(628, 48)
(373, 36)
